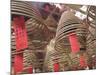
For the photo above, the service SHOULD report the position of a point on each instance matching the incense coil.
(51, 23)
(25, 9)
(27, 62)
(91, 35)
(91, 20)
(13, 44)
(35, 26)
(32, 25)
(35, 23)
(91, 50)
(26, 53)
(91, 14)
(29, 10)
(31, 49)
(68, 24)
(29, 58)
(81, 35)
(53, 54)
(13, 47)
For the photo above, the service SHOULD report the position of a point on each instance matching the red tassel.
(18, 63)
(20, 33)
(74, 43)
(56, 67)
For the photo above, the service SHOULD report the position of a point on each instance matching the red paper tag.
(74, 43)
(20, 33)
(30, 70)
(18, 63)
(82, 61)
(56, 67)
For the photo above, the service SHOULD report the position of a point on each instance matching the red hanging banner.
(56, 67)
(20, 33)
(18, 63)
(74, 42)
